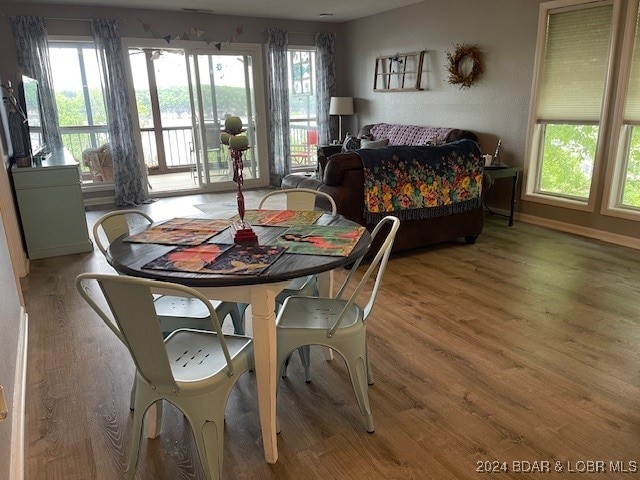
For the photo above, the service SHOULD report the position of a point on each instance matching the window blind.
(632, 104)
(575, 64)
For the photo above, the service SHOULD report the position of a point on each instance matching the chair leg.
(141, 405)
(285, 365)
(369, 371)
(238, 321)
(132, 399)
(209, 435)
(283, 356)
(357, 364)
(305, 357)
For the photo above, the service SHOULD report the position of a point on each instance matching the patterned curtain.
(32, 48)
(325, 86)
(127, 175)
(278, 84)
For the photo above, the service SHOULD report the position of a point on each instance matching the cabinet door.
(52, 212)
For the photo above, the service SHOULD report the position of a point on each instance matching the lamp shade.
(341, 106)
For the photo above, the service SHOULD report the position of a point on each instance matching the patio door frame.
(259, 114)
(200, 124)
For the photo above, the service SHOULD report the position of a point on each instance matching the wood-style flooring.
(521, 348)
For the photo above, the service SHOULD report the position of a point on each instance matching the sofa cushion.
(409, 134)
(383, 142)
(350, 143)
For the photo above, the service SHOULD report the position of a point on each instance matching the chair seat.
(183, 312)
(194, 356)
(183, 307)
(317, 313)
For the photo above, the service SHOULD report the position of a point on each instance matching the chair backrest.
(379, 262)
(301, 199)
(114, 224)
(134, 321)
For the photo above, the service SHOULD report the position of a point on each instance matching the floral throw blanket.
(414, 182)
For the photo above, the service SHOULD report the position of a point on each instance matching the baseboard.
(17, 469)
(93, 201)
(608, 237)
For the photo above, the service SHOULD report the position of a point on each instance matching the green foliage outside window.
(568, 159)
(631, 188)
(72, 111)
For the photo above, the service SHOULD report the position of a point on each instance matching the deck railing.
(303, 138)
(179, 145)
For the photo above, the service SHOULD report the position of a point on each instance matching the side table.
(495, 172)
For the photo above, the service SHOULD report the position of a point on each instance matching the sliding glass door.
(222, 87)
(182, 99)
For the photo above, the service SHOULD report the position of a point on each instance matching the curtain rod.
(295, 33)
(69, 19)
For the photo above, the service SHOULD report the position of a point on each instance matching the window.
(623, 181)
(568, 109)
(302, 108)
(80, 100)
(183, 94)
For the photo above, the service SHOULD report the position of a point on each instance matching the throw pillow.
(383, 142)
(350, 143)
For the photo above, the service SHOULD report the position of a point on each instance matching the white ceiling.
(342, 10)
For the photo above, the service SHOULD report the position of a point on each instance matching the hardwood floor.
(522, 347)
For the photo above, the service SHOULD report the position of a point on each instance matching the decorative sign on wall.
(465, 65)
(193, 32)
(399, 72)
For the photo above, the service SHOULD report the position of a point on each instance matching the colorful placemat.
(245, 259)
(196, 224)
(218, 258)
(180, 231)
(280, 218)
(188, 259)
(320, 239)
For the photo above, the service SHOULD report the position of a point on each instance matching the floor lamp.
(341, 106)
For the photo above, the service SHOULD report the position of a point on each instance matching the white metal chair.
(300, 199)
(173, 312)
(338, 323)
(195, 370)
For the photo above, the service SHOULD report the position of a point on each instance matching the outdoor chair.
(194, 370)
(299, 199)
(173, 312)
(338, 323)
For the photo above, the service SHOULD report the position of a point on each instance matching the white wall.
(10, 328)
(497, 106)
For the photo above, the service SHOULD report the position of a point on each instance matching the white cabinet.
(51, 208)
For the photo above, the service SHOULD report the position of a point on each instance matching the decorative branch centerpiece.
(238, 144)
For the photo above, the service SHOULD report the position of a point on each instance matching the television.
(30, 100)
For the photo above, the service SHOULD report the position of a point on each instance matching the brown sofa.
(341, 175)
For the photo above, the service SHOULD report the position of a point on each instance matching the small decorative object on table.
(243, 233)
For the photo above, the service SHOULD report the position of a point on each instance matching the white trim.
(254, 50)
(557, 201)
(16, 467)
(532, 161)
(622, 212)
(622, 240)
(93, 201)
(619, 148)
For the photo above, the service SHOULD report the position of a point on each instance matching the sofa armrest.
(457, 134)
(324, 152)
(338, 164)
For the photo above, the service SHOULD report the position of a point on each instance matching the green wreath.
(461, 53)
